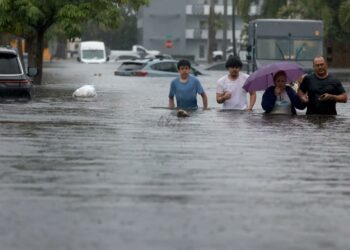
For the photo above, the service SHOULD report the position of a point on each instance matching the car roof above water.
(8, 50)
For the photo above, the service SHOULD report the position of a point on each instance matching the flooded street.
(120, 171)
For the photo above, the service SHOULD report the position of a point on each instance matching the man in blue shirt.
(185, 88)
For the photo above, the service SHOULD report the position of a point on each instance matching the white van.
(92, 52)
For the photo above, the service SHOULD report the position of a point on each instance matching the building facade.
(180, 27)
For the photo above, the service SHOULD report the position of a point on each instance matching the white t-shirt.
(238, 98)
(282, 104)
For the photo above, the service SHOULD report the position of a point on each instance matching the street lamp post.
(234, 28)
(224, 38)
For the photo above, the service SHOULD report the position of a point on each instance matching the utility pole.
(234, 27)
(211, 32)
(224, 38)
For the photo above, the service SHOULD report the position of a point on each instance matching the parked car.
(14, 82)
(151, 67)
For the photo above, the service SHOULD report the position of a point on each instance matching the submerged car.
(151, 67)
(14, 82)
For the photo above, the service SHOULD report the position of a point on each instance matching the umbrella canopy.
(263, 77)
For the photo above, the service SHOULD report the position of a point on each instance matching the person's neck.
(232, 78)
(321, 76)
(183, 79)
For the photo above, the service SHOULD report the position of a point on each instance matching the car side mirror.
(32, 71)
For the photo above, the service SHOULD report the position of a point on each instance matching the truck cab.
(272, 40)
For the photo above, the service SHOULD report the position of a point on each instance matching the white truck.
(92, 52)
(218, 55)
(137, 51)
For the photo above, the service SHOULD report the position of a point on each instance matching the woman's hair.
(279, 73)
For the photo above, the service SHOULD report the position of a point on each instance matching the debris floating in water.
(182, 113)
(85, 91)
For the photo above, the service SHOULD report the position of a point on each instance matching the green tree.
(111, 36)
(38, 16)
(344, 16)
(335, 15)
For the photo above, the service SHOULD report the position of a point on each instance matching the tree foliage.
(33, 18)
(344, 16)
(335, 13)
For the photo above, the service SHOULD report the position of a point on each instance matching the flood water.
(120, 171)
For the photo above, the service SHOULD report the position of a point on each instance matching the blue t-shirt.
(186, 93)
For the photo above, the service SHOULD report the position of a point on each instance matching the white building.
(185, 23)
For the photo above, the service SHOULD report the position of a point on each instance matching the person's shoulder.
(270, 89)
(308, 77)
(243, 75)
(222, 78)
(175, 80)
(193, 78)
(333, 78)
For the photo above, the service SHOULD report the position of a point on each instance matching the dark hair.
(233, 62)
(183, 63)
(279, 73)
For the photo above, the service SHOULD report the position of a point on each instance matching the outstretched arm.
(336, 98)
(171, 103)
(295, 99)
(303, 96)
(252, 100)
(205, 100)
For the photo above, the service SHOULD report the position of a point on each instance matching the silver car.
(151, 67)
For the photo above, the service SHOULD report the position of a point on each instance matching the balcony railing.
(201, 9)
(203, 34)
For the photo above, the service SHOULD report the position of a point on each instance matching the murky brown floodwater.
(120, 172)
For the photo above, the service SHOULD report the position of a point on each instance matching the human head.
(320, 67)
(234, 62)
(280, 79)
(183, 63)
(184, 68)
(233, 65)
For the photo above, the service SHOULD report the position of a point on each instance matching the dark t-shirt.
(315, 87)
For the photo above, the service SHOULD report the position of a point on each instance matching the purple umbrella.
(263, 77)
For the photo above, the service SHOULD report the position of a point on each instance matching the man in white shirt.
(230, 90)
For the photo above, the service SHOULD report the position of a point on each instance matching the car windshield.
(129, 66)
(284, 49)
(93, 54)
(165, 66)
(9, 64)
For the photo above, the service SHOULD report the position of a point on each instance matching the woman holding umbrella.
(280, 98)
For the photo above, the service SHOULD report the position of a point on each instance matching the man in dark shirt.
(320, 91)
